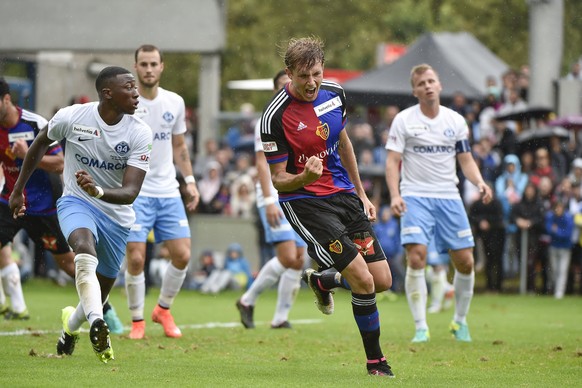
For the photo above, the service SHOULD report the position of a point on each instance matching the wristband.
(189, 179)
(269, 201)
(99, 192)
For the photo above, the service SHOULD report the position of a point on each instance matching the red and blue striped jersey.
(294, 130)
(43, 188)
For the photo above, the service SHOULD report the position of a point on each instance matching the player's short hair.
(4, 87)
(148, 48)
(107, 74)
(420, 69)
(279, 74)
(304, 53)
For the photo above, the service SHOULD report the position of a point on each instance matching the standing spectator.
(95, 212)
(159, 206)
(313, 166)
(560, 225)
(558, 158)
(543, 168)
(528, 216)
(428, 140)
(488, 224)
(509, 188)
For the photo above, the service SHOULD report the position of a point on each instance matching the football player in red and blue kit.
(314, 168)
(18, 128)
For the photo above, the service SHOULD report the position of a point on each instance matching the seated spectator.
(574, 73)
(209, 188)
(235, 275)
(242, 197)
(202, 273)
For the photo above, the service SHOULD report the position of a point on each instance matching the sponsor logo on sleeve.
(269, 146)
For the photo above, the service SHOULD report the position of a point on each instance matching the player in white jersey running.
(286, 266)
(159, 205)
(107, 157)
(428, 139)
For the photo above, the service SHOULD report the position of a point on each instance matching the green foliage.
(517, 341)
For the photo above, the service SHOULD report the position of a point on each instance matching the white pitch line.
(208, 325)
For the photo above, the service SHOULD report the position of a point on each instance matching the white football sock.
(289, 285)
(171, 284)
(88, 286)
(464, 285)
(416, 294)
(267, 277)
(77, 318)
(11, 280)
(135, 289)
(438, 282)
(2, 294)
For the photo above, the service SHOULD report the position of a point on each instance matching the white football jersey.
(260, 198)
(166, 117)
(103, 150)
(428, 148)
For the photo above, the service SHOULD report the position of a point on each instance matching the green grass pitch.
(518, 341)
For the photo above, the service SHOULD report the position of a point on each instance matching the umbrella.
(569, 122)
(532, 139)
(538, 112)
(542, 134)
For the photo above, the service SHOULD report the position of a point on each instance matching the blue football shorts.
(445, 219)
(283, 232)
(110, 237)
(166, 216)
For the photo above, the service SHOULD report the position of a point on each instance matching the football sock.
(88, 286)
(11, 280)
(77, 319)
(288, 287)
(2, 294)
(416, 294)
(333, 279)
(135, 289)
(171, 284)
(106, 306)
(267, 277)
(368, 321)
(438, 282)
(464, 285)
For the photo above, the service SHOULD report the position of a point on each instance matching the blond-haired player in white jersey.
(107, 157)
(425, 141)
(159, 205)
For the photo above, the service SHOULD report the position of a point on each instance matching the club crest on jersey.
(365, 243)
(449, 132)
(86, 131)
(168, 117)
(336, 247)
(122, 148)
(322, 131)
